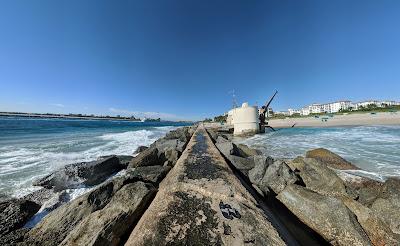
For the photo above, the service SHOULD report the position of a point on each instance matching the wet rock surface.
(330, 159)
(14, 213)
(318, 177)
(86, 173)
(108, 225)
(107, 214)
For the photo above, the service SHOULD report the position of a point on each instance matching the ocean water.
(32, 148)
(375, 149)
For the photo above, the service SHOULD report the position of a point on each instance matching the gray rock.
(140, 149)
(164, 144)
(227, 148)
(245, 151)
(40, 196)
(242, 164)
(318, 177)
(230, 151)
(171, 156)
(152, 174)
(387, 206)
(108, 225)
(87, 173)
(330, 159)
(221, 139)
(148, 157)
(124, 160)
(14, 213)
(56, 225)
(14, 237)
(260, 166)
(277, 176)
(183, 134)
(328, 216)
(378, 231)
(362, 189)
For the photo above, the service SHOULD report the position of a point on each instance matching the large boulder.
(148, 174)
(56, 225)
(140, 149)
(260, 166)
(318, 177)
(230, 151)
(14, 213)
(328, 216)
(330, 159)
(171, 157)
(164, 144)
(378, 231)
(362, 189)
(108, 225)
(14, 237)
(244, 165)
(245, 151)
(277, 176)
(40, 196)
(387, 206)
(148, 157)
(183, 134)
(86, 173)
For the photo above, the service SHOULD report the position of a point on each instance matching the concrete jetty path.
(201, 202)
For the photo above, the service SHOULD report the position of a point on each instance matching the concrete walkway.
(201, 202)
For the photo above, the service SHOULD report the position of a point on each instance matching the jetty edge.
(196, 186)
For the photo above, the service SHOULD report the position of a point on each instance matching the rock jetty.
(196, 186)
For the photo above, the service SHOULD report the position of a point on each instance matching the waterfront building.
(365, 104)
(305, 111)
(315, 108)
(294, 111)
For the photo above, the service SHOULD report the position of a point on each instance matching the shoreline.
(338, 120)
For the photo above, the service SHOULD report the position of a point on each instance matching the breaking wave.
(21, 163)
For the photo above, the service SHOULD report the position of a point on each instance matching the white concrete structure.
(245, 119)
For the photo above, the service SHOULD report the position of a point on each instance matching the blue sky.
(180, 59)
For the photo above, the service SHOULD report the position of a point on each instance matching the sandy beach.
(339, 120)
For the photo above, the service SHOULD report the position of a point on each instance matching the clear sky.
(180, 59)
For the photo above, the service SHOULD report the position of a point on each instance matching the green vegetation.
(207, 120)
(220, 118)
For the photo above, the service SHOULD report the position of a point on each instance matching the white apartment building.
(365, 104)
(339, 105)
(315, 108)
(294, 111)
(305, 111)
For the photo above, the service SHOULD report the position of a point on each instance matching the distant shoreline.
(381, 118)
(59, 116)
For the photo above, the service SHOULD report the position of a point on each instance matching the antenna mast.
(234, 102)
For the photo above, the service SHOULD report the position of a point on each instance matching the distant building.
(339, 105)
(293, 111)
(286, 113)
(305, 111)
(365, 104)
(315, 108)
